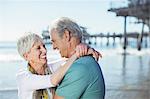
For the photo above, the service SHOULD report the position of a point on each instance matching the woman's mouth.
(43, 56)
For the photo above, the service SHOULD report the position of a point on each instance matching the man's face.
(59, 43)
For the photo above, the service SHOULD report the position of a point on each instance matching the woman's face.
(37, 54)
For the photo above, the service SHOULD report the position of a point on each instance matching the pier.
(121, 36)
(87, 38)
(140, 9)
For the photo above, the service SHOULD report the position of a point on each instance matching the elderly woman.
(35, 82)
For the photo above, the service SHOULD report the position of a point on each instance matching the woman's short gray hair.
(64, 23)
(25, 43)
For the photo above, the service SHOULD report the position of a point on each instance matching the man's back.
(84, 80)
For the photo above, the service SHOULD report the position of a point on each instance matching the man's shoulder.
(82, 65)
(85, 60)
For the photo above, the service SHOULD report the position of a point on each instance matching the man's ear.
(67, 35)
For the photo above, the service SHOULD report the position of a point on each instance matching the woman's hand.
(94, 53)
(84, 49)
(81, 50)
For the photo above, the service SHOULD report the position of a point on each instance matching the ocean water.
(119, 69)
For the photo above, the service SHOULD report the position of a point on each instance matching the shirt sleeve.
(74, 83)
(28, 81)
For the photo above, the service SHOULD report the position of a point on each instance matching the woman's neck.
(40, 69)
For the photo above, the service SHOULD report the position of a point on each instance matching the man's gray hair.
(64, 23)
(26, 42)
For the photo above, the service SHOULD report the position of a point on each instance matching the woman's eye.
(38, 47)
(44, 46)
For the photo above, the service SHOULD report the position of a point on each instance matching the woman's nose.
(44, 49)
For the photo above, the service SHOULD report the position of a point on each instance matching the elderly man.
(84, 80)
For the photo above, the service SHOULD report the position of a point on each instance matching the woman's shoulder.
(21, 73)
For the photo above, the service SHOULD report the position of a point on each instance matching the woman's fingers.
(81, 50)
(99, 54)
(77, 51)
(84, 49)
(94, 53)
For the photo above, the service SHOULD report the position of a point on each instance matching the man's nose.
(54, 46)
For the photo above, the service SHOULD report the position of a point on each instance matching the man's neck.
(73, 43)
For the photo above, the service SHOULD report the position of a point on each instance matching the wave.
(120, 51)
(10, 57)
(9, 89)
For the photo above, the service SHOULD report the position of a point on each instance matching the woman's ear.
(67, 35)
(25, 55)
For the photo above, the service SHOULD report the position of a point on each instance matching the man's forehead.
(54, 37)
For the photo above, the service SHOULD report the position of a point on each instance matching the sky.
(20, 16)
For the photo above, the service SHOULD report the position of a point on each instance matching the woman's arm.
(28, 81)
(60, 72)
(54, 65)
(83, 49)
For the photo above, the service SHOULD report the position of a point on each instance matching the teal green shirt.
(84, 80)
